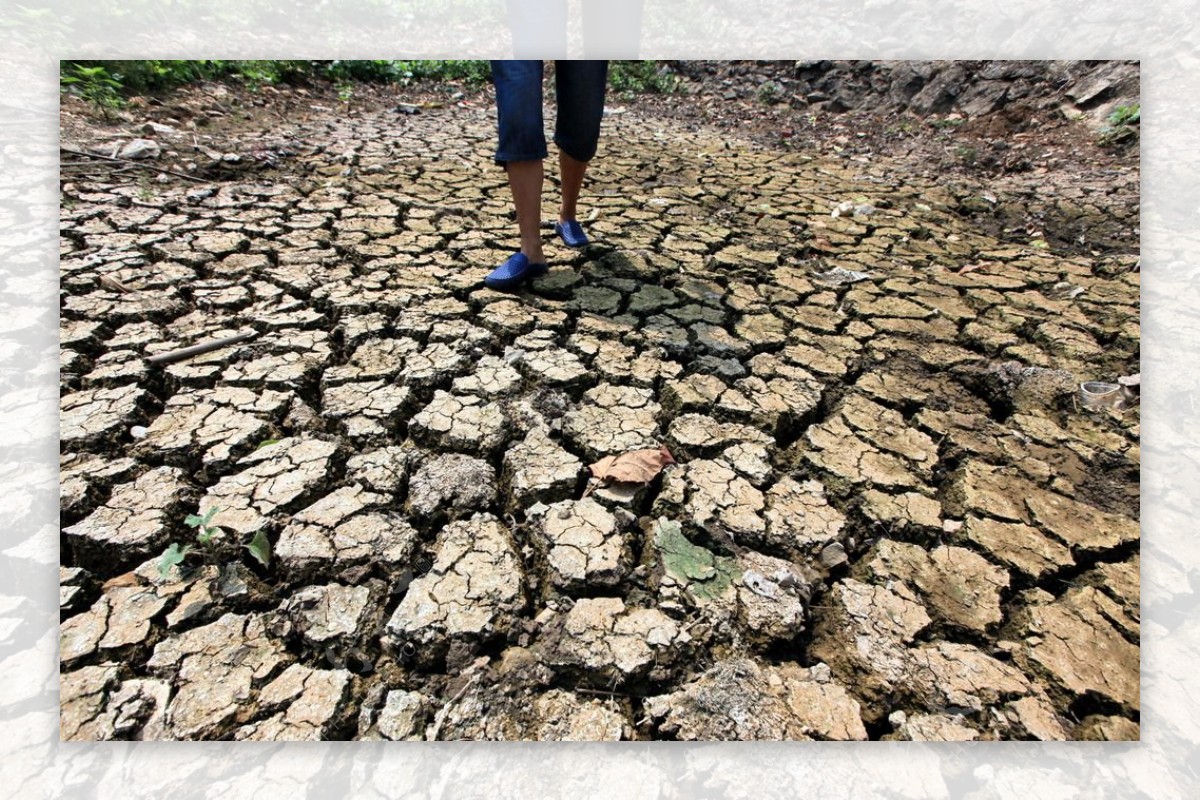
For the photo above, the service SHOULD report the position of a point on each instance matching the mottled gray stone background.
(35, 35)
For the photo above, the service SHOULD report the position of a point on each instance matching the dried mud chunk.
(1108, 728)
(682, 569)
(553, 366)
(384, 470)
(1019, 546)
(121, 617)
(82, 697)
(134, 522)
(1078, 641)
(565, 717)
(693, 393)
(403, 715)
(710, 494)
(473, 592)
(864, 637)
(987, 491)
(949, 674)
(774, 404)
(192, 422)
(957, 585)
(903, 510)
(312, 701)
(492, 378)
(333, 530)
(287, 370)
(771, 596)
(609, 641)
(1079, 525)
(215, 669)
(695, 436)
(276, 477)
(367, 410)
(799, 518)
(452, 484)
(95, 415)
(583, 546)
(612, 420)
(739, 699)
(374, 359)
(934, 728)
(82, 475)
(538, 469)
(321, 614)
(460, 422)
(887, 430)
(434, 366)
(1036, 716)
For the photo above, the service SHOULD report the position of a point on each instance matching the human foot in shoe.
(514, 272)
(572, 233)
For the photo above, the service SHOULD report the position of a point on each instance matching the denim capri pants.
(580, 91)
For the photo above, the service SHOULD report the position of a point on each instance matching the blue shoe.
(572, 233)
(514, 272)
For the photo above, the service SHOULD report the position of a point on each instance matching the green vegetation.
(259, 546)
(1122, 127)
(108, 83)
(641, 77)
(705, 575)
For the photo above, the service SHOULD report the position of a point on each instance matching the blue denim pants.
(580, 91)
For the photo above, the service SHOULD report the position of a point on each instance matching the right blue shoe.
(572, 233)
(514, 272)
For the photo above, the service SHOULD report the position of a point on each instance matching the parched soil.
(889, 513)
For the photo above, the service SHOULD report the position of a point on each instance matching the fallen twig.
(134, 163)
(444, 712)
(199, 348)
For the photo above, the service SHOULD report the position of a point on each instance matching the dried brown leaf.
(638, 467)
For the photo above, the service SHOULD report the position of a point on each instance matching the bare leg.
(525, 181)
(571, 171)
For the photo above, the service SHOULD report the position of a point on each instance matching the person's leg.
(580, 87)
(522, 145)
(525, 182)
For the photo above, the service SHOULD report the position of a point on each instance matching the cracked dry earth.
(889, 518)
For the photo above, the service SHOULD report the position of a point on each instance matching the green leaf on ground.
(260, 548)
(174, 555)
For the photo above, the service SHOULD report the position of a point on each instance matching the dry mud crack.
(890, 517)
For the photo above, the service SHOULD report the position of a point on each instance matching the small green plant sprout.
(260, 548)
(204, 531)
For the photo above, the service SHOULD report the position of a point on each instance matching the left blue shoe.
(572, 233)
(514, 272)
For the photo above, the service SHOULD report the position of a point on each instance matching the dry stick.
(202, 347)
(134, 163)
(444, 712)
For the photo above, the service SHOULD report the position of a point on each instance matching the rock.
(135, 522)
(739, 699)
(472, 593)
(583, 546)
(140, 149)
(452, 485)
